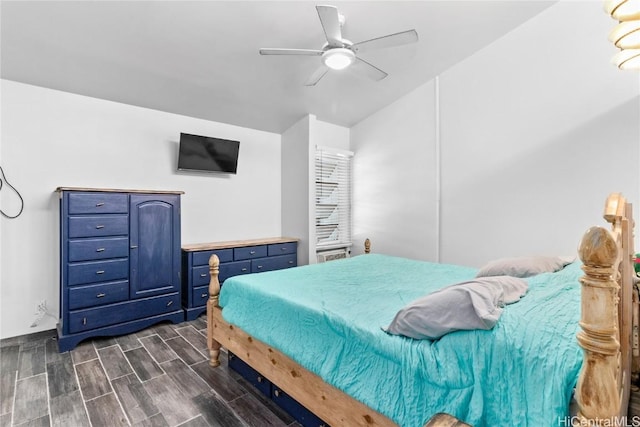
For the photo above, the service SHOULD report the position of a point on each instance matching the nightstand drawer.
(200, 275)
(273, 263)
(89, 249)
(98, 225)
(202, 258)
(282, 249)
(96, 203)
(98, 271)
(231, 269)
(103, 293)
(249, 252)
(200, 295)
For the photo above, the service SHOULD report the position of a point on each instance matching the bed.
(310, 330)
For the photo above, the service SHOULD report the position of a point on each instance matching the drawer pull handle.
(283, 249)
(259, 267)
(100, 272)
(203, 295)
(99, 204)
(84, 320)
(203, 275)
(100, 250)
(169, 303)
(290, 262)
(100, 295)
(276, 392)
(244, 269)
(134, 246)
(260, 379)
(252, 252)
(98, 227)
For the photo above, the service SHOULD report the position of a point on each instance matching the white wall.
(394, 178)
(52, 139)
(526, 126)
(330, 135)
(531, 126)
(295, 186)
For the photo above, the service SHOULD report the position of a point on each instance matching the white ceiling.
(200, 58)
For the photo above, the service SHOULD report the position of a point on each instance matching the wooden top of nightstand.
(237, 243)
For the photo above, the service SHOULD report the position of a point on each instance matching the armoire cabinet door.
(154, 244)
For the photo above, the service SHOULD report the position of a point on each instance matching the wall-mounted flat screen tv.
(208, 154)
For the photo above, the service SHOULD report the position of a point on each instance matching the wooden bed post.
(214, 292)
(597, 391)
(367, 246)
(609, 300)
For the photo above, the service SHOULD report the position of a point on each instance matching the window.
(333, 198)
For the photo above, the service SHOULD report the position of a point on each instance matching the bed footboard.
(324, 400)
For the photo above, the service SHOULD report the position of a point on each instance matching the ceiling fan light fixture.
(626, 35)
(627, 59)
(338, 58)
(623, 10)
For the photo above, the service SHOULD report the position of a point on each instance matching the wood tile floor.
(156, 377)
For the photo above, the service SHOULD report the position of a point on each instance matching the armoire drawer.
(94, 249)
(97, 203)
(83, 320)
(98, 225)
(100, 294)
(98, 271)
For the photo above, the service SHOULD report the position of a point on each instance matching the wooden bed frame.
(609, 336)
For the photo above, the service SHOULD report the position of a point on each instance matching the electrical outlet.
(41, 307)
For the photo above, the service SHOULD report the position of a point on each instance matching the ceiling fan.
(339, 53)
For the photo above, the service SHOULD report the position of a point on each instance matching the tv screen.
(203, 153)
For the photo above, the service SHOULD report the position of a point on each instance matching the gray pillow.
(524, 266)
(476, 304)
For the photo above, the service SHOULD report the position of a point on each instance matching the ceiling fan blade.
(362, 67)
(276, 51)
(390, 40)
(317, 75)
(330, 21)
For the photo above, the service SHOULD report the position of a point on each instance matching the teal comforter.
(328, 318)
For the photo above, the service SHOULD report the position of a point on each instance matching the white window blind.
(333, 197)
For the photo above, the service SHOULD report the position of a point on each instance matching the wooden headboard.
(609, 301)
